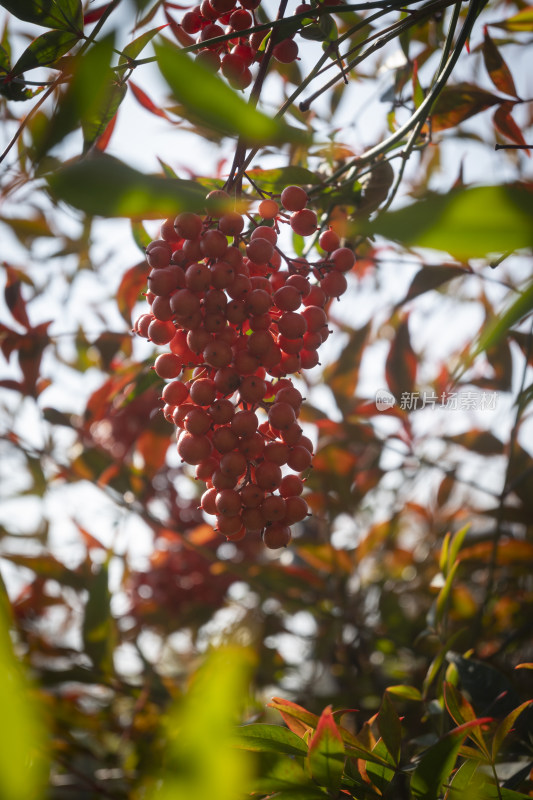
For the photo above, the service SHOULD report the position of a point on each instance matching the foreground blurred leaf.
(523, 21)
(200, 760)
(98, 625)
(468, 223)
(107, 187)
(22, 765)
(85, 101)
(210, 101)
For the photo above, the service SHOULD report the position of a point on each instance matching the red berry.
(294, 198)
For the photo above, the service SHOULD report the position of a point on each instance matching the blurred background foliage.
(408, 593)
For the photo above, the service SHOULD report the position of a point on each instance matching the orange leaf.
(499, 72)
(506, 125)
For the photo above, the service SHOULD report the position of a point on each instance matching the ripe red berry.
(304, 222)
(285, 51)
(294, 198)
(277, 535)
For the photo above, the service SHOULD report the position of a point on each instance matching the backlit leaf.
(107, 187)
(133, 49)
(432, 277)
(60, 14)
(483, 442)
(498, 327)
(85, 97)
(504, 122)
(13, 296)
(270, 739)
(455, 223)
(390, 728)
(437, 763)
(45, 50)
(145, 101)
(460, 102)
(405, 692)
(461, 711)
(326, 753)
(401, 363)
(98, 624)
(499, 72)
(131, 286)
(297, 718)
(505, 727)
(522, 21)
(210, 101)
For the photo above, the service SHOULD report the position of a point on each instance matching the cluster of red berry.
(239, 322)
(234, 57)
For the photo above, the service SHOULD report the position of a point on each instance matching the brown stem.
(238, 167)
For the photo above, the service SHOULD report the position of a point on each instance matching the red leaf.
(95, 14)
(499, 72)
(182, 37)
(103, 140)
(457, 103)
(432, 277)
(504, 122)
(132, 284)
(401, 364)
(145, 101)
(13, 296)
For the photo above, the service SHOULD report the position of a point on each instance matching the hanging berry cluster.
(215, 18)
(239, 319)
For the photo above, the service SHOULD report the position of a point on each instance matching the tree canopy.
(297, 240)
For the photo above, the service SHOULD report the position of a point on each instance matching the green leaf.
(133, 49)
(45, 50)
(405, 692)
(461, 711)
(523, 21)
(456, 544)
(98, 624)
(85, 97)
(200, 760)
(208, 100)
(505, 727)
(442, 597)
(326, 753)
(270, 739)
(96, 119)
(104, 186)
(495, 331)
(381, 774)
(22, 764)
(468, 223)
(390, 728)
(275, 180)
(63, 14)
(435, 766)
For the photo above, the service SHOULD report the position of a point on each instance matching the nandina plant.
(264, 409)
